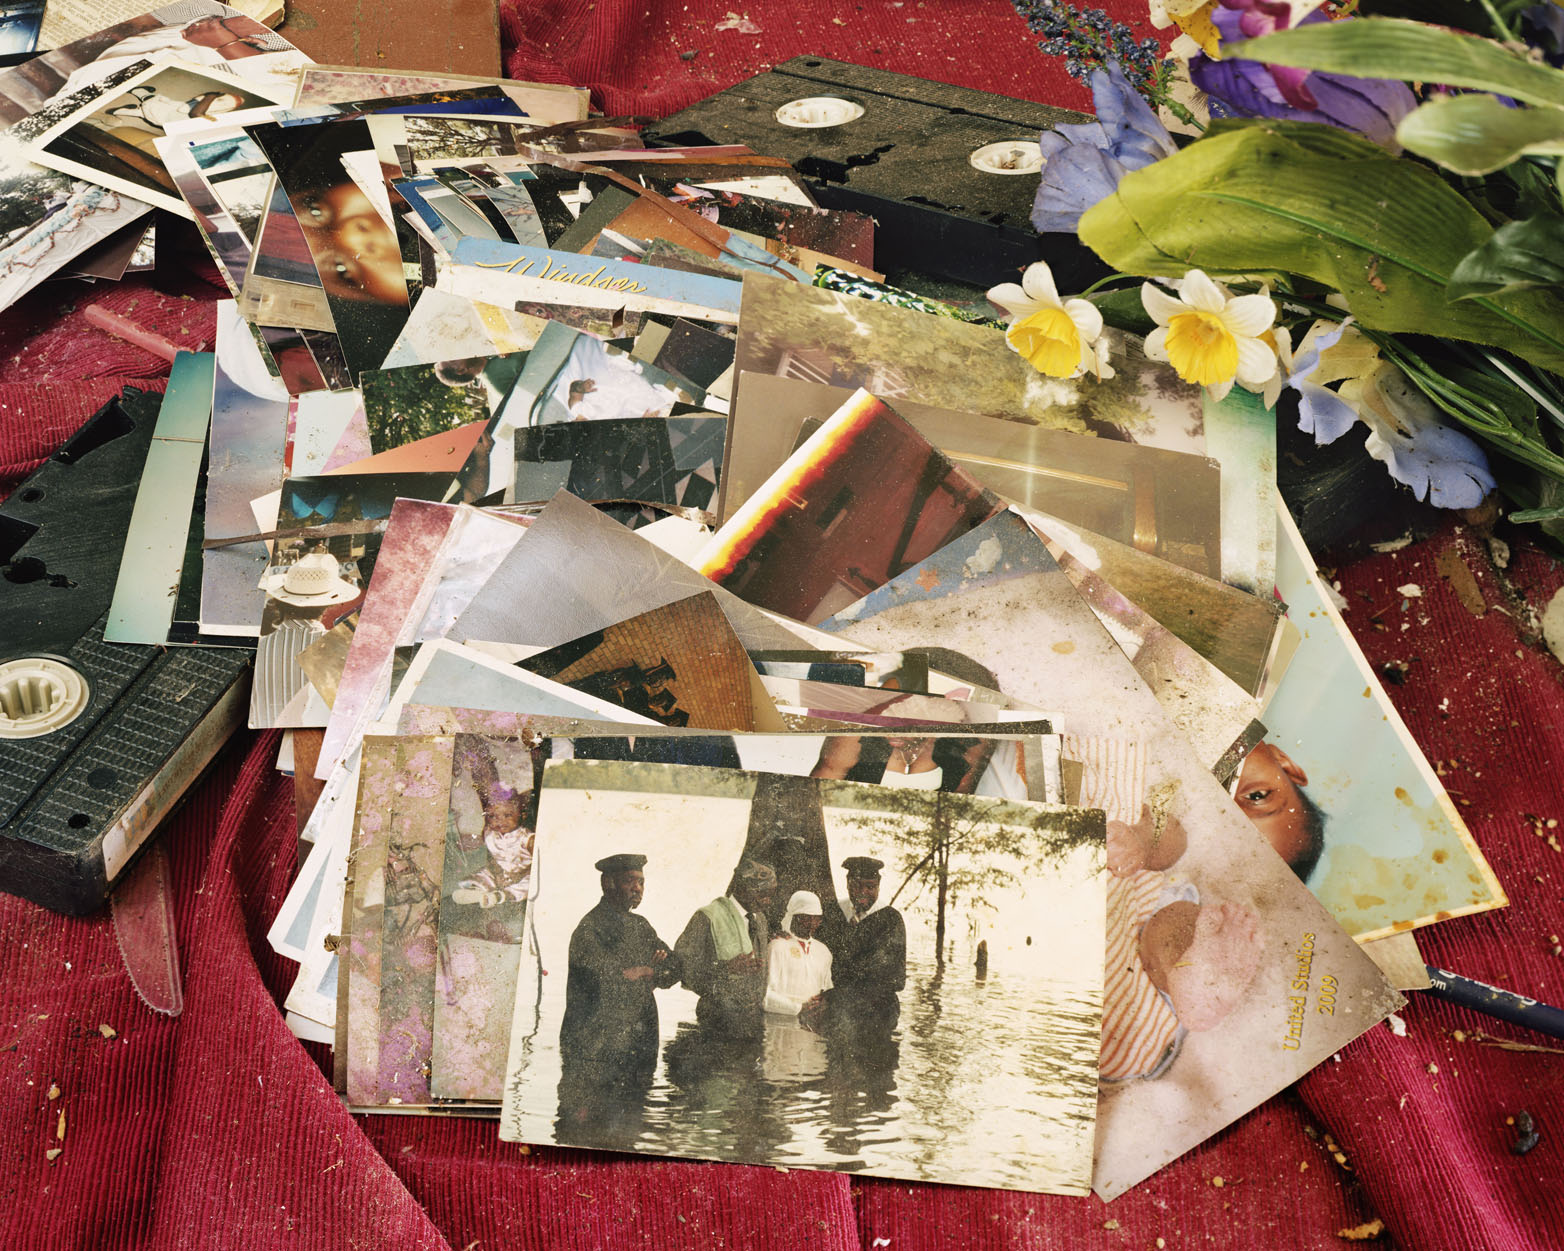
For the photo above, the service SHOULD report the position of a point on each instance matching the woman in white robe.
(799, 968)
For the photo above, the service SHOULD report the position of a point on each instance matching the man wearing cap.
(722, 953)
(616, 961)
(870, 946)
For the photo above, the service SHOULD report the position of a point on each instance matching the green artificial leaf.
(1519, 413)
(1388, 47)
(1322, 204)
(1518, 256)
(1477, 134)
(1123, 310)
(1495, 409)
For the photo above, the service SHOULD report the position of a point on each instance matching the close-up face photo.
(354, 249)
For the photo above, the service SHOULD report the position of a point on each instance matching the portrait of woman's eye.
(317, 211)
(1256, 796)
(346, 273)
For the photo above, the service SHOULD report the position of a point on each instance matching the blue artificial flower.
(1405, 429)
(1321, 412)
(1083, 162)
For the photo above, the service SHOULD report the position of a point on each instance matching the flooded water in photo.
(975, 1082)
(978, 1071)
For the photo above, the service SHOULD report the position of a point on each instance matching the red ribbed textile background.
(219, 1130)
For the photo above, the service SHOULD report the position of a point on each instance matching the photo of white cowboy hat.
(313, 581)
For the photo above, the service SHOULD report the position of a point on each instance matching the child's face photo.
(1268, 794)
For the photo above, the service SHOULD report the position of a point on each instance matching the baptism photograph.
(811, 973)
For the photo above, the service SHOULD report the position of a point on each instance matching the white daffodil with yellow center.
(1060, 338)
(1210, 336)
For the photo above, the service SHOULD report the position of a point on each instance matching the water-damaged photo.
(811, 973)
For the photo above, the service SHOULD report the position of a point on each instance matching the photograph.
(927, 1006)
(1167, 504)
(1003, 760)
(1235, 630)
(355, 253)
(1219, 717)
(458, 675)
(434, 556)
(579, 571)
(997, 597)
(229, 247)
(237, 175)
(112, 139)
(509, 274)
(483, 901)
(543, 103)
(503, 199)
(678, 665)
(829, 337)
(573, 376)
(491, 761)
(450, 213)
(651, 465)
(411, 402)
(1384, 848)
(838, 233)
(442, 326)
(696, 352)
(311, 582)
(245, 463)
(865, 498)
(197, 32)
(20, 21)
(48, 218)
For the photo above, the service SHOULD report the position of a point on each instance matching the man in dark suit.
(868, 941)
(616, 962)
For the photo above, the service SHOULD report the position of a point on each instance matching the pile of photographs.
(756, 716)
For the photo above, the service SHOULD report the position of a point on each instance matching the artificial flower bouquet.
(1361, 214)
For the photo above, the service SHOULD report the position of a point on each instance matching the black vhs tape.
(948, 173)
(98, 741)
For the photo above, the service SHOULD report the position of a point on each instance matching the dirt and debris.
(741, 24)
(1329, 1143)
(1395, 671)
(1526, 1136)
(1365, 1232)
(1454, 570)
(108, 1031)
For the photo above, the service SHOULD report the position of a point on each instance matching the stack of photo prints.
(757, 716)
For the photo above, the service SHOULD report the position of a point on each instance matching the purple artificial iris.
(1370, 106)
(1083, 162)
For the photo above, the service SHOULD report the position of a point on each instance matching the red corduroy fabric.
(219, 1129)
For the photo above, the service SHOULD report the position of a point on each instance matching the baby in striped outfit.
(1174, 963)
